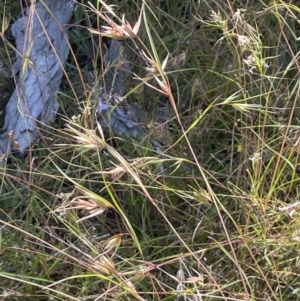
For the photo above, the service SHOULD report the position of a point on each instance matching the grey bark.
(42, 48)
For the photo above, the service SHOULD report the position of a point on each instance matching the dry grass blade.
(111, 245)
(103, 264)
(115, 31)
(82, 203)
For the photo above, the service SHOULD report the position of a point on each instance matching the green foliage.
(87, 218)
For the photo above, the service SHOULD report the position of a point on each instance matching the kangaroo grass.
(91, 216)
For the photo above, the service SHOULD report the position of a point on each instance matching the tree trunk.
(41, 51)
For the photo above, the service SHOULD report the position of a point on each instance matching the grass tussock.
(90, 216)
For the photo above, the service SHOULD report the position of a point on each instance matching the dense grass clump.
(91, 216)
